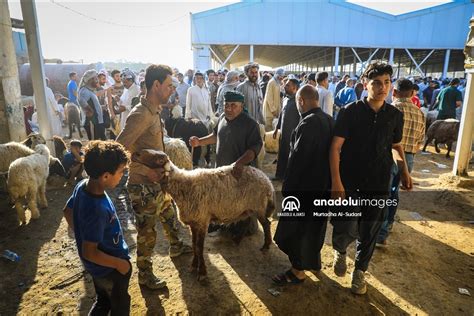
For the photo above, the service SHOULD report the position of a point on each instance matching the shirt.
(235, 137)
(142, 130)
(326, 101)
(253, 99)
(198, 105)
(87, 97)
(447, 101)
(413, 125)
(71, 89)
(69, 160)
(182, 91)
(345, 96)
(96, 221)
(126, 101)
(366, 155)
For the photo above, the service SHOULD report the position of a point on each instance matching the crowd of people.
(340, 138)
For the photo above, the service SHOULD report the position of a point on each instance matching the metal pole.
(466, 129)
(446, 63)
(28, 9)
(390, 58)
(12, 117)
(251, 53)
(336, 61)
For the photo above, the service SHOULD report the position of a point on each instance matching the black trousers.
(112, 294)
(98, 129)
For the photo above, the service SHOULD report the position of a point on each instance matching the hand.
(338, 191)
(275, 134)
(194, 141)
(237, 170)
(407, 183)
(123, 266)
(155, 175)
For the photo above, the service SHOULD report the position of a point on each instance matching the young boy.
(97, 230)
(73, 161)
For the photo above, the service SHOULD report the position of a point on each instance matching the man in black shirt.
(361, 160)
(307, 177)
(238, 141)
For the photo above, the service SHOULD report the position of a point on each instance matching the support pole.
(390, 58)
(11, 113)
(28, 9)
(230, 55)
(466, 128)
(251, 53)
(336, 62)
(446, 63)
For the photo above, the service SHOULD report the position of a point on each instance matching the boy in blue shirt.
(73, 161)
(99, 238)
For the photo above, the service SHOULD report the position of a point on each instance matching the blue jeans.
(394, 188)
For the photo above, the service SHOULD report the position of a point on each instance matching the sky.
(149, 31)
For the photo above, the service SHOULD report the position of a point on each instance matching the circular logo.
(290, 204)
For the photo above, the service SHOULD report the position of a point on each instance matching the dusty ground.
(419, 273)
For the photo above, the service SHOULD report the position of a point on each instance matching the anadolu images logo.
(290, 204)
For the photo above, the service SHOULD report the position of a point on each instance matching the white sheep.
(27, 179)
(214, 195)
(178, 153)
(9, 152)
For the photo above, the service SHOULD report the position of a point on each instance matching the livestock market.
(253, 157)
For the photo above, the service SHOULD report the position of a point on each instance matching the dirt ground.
(419, 273)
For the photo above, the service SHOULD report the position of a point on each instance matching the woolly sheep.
(9, 152)
(213, 195)
(443, 132)
(27, 179)
(178, 153)
(272, 145)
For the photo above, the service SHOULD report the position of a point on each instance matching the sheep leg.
(266, 232)
(43, 202)
(70, 130)
(449, 145)
(79, 128)
(428, 140)
(436, 146)
(202, 272)
(194, 264)
(32, 204)
(20, 211)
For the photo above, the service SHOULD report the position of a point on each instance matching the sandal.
(286, 278)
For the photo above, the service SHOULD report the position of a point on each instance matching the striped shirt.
(413, 124)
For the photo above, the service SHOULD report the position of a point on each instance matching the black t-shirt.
(235, 137)
(366, 155)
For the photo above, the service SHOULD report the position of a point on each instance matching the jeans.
(394, 190)
(112, 294)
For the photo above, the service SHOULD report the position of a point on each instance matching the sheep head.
(33, 139)
(154, 159)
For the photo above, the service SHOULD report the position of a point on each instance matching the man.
(221, 77)
(72, 87)
(198, 103)
(428, 94)
(252, 93)
(272, 101)
(143, 130)
(189, 77)
(449, 99)
(346, 95)
(55, 111)
(131, 90)
(88, 101)
(307, 178)
(212, 86)
(114, 94)
(312, 79)
(238, 142)
(361, 160)
(413, 137)
(332, 86)
(287, 121)
(230, 84)
(182, 91)
(341, 84)
(326, 101)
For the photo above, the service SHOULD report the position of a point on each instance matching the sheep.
(442, 131)
(11, 151)
(272, 145)
(60, 147)
(213, 195)
(33, 139)
(73, 118)
(178, 153)
(27, 178)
